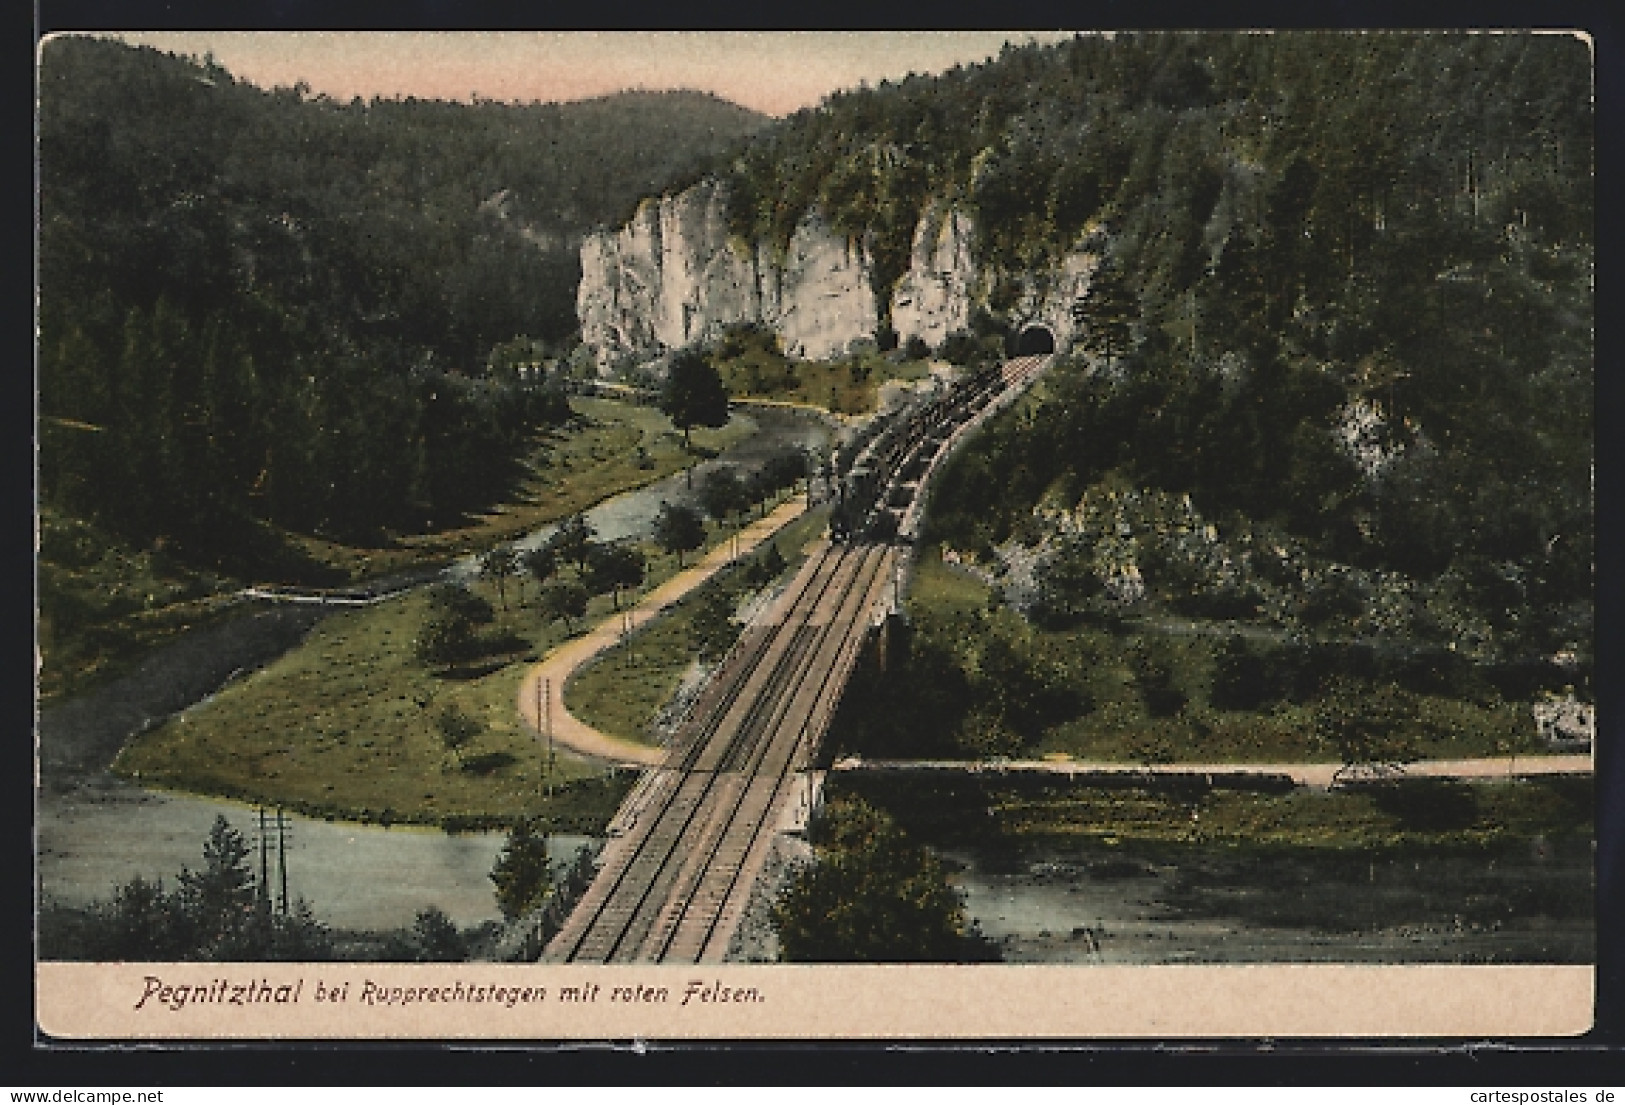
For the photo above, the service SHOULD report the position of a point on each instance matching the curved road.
(541, 711)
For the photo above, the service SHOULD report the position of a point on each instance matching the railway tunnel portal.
(1033, 340)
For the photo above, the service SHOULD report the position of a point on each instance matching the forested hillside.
(267, 306)
(1345, 306)
(1323, 446)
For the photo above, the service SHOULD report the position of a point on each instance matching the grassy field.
(848, 386)
(345, 726)
(936, 589)
(1442, 728)
(614, 447)
(622, 691)
(1116, 723)
(104, 605)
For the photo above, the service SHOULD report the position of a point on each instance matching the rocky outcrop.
(658, 281)
(673, 276)
(934, 297)
(1056, 302)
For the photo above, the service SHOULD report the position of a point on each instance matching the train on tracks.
(878, 472)
(675, 879)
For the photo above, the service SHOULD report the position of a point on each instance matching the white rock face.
(1565, 719)
(671, 277)
(933, 299)
(821, 300)
(667, 278)
(1065, 289)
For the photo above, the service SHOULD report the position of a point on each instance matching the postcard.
(764, 535)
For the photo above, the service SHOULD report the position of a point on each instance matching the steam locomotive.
(878, 470)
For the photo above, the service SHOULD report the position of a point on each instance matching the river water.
(1524, 902)
(633, 514)
(358, 877)
(95, 832)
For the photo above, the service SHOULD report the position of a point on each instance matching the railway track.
(668, 886)
(673, 881)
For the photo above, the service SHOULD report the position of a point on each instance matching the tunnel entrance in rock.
(1035, 339)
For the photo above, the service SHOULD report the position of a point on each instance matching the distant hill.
(450, 226)
(250, 299)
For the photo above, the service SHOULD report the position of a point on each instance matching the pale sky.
(775, 72)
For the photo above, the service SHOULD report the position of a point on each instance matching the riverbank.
(1320, 776)
(89, 848)
(1084, 903)
(951, 809)
(1251, 869)
(107, 611)
(323, 708)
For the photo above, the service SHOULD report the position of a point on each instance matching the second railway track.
(672, 885)
(669, 876)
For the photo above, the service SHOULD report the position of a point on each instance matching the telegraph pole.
(265, 861)
(282, 856)
(545, 727)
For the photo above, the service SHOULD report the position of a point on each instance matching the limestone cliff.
(673, 276)
(935, 296)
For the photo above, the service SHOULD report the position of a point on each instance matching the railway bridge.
(692, 836)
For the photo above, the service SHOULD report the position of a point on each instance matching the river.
(95, 831)
(1526, 901)
(633, 513)
(356, 877)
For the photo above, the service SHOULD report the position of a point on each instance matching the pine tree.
(219, 900)
(523, 874)
(1109, 310)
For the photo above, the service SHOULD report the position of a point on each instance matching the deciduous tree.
(870, 896)
(723, 494)
(457, 729)
(572, 540)
(714, 627)
(612, 567)
(679, 529)
(500, 564)
(540, 564)
(564, 599)
(693, 394)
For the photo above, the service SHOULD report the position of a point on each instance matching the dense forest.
(1344, 314)
(267, 306)
(1334, 373)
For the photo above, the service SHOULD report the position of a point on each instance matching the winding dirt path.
(542, 689)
